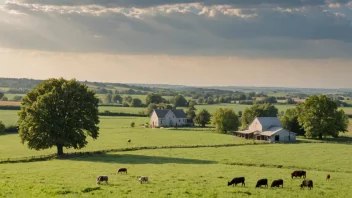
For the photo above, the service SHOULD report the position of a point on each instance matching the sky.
(279, 43)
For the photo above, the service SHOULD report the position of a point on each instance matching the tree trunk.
(60, 149)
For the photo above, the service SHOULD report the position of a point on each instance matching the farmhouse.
(167, 118)
(267, 128)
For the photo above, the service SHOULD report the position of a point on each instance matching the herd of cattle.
(237, 180)
(279, 182)
(121, 170)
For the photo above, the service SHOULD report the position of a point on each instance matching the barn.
(268, 129)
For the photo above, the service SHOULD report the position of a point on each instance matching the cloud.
(182, 29)
(152, 3)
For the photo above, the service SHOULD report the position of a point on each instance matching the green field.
(193, 172)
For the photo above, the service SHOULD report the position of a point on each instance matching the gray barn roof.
(268, 122)
(179, 113)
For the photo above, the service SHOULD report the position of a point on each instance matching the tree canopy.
(225, 120)
(319, 116)
(290, 121)
(257, 110)
(179, 101)
(136, 102)
(1, 95)
(202, 118)
(154, 98)
(60, 113)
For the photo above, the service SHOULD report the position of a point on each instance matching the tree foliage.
(2, 128)
(136, 102)
(154, 98)
(191, 114)
(257, 110)
(1, 95)
(58, 113)
(179, 101)
(17, 98)
(202, 118)
(4, 98)
(320, 117)
(225, 120)
(290, 121)
(115, 98)
(150, 108)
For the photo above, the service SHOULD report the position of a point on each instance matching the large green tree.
(136, 102)
(320, 117)
(290, 121)
(257, 110)
(225, 120)
(115, 98)
(60, 113)
(202, 118)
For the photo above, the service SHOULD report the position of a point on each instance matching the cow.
(122, 170)
(307, 183)
(128, 141)
(299, 173)
(143, 179)
(277, 183)
(236, 181)
(327, 177)
(102, 178)
(262, 182)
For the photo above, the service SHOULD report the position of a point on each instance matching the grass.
(114, 133)
(199, 172)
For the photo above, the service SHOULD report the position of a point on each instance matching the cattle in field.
(236, 181)
(277, 183)
(122, 170)
(327, 177)
(307, 183)
(102, 179)
(298, 173)
(129, 141)
(262, 182)
(143, 179)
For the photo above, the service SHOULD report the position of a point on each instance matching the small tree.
(290, 121)
(1, 95)
(154, 98)
(2, 128)
(4, 98)
(179, 101)
(191, 114)
(115, 98)
(133, 124)
(202, 118)
(136, 102)
(150, 109)
(225, 120)
(58, 113)
(17, 98)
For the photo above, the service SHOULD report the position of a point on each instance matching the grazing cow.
(129, 141)
(307, 183)
(122, 170)
(262, 182)
(143, 179)
(327, 177)
(299, 173)
(236, 181)
(277, 183)
(102, 178)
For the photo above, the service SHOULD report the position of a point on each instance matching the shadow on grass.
(139, 159)
(339, 140)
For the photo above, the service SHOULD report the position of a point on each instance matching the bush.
(11, 129)
(133, 124)
(2, 128)
(4, 98)
(17, 98)
(125, 104)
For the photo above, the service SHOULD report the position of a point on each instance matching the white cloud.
(187, 29)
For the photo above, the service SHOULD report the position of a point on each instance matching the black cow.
(262, 182)
(102, 178)
(327, 177)
(299, 173)
(277, 183)
(307, 183)
(237, 180)
(122, 170)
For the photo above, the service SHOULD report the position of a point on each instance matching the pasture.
(201, 172)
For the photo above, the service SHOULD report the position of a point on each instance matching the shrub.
(133, 124)
(2, 128)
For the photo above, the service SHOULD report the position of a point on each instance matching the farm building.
(267, 128)
(168, 118)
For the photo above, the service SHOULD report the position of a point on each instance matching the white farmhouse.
(167, 118)
(267, 128)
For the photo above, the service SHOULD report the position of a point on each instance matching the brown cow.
(327, 177)
(299, 173)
